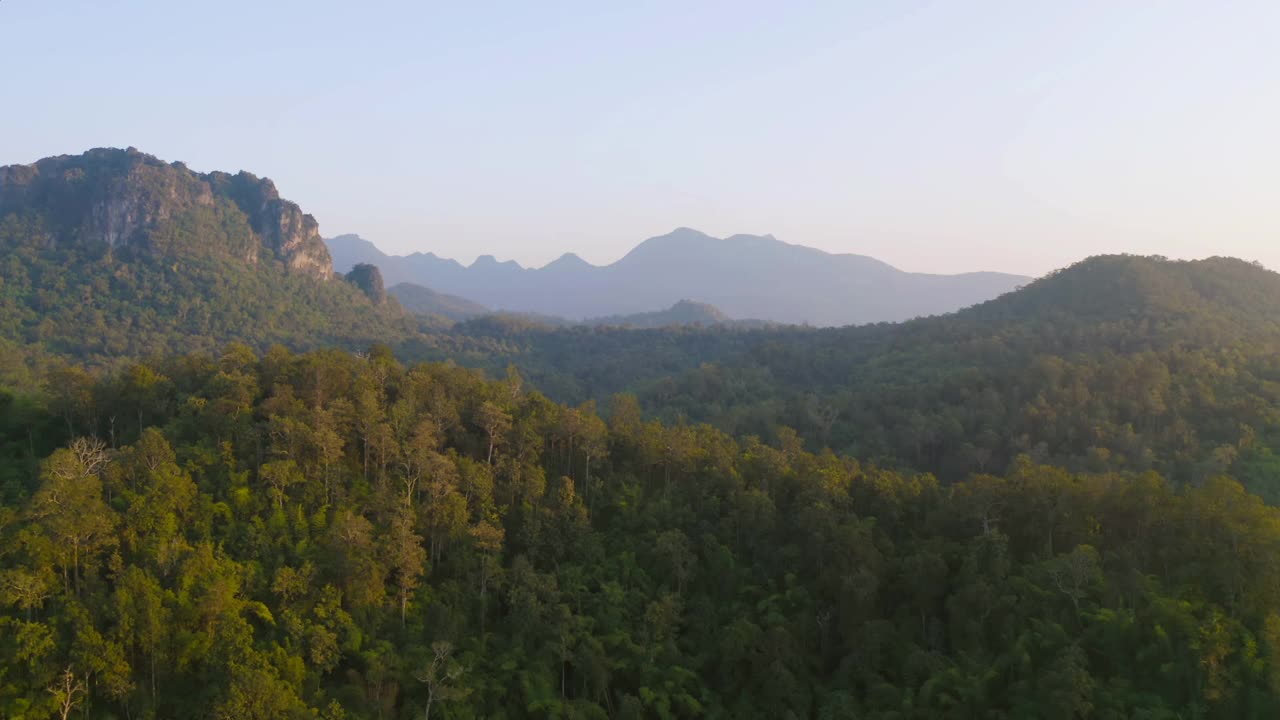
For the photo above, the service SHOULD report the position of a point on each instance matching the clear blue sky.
(945, 136)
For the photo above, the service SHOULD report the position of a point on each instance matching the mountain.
(1146, 301)
(425, 301)
(685, 312)
(114, 254)
(126, 199)
(418, 268)
(1116, 363)
(745, 276)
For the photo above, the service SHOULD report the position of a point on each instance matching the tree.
(495, 422)
(279, 476)
(593, 444)
(144, 621)
(441, 676)
(356, 565)
(673, 547)
(69, 506)
(488, 540)
(68, 692)
(408, 558)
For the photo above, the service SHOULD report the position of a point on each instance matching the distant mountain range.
(425, 301)
(744, 276)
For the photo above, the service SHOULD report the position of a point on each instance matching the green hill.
(1116, 362)
(425, 301)
(115, 254)
(685, 312)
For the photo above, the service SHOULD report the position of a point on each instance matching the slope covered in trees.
(425, 301)
(1115, 363)
(339, 536)
(685, 312)
(113, 254)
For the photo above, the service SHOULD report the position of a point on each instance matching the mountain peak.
(753, 240)
(567, 262)
(487, 262)
(661, 247)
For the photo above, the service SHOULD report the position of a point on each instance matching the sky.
(937, 136)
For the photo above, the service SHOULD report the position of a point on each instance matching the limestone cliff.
(125, 198)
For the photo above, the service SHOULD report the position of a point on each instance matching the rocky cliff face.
(125, 198)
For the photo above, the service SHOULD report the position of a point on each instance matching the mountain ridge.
(114, 254)
(126, 198)
(745, 276)
(1114, 362)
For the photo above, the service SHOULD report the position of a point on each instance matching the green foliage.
(339, 536)
(369, 280)
(1117, 363)
(101, 305)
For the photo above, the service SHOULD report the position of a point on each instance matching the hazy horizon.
(469, 260)
(940, 138)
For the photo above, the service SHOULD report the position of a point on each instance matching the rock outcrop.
(125, 198)
(369, 280)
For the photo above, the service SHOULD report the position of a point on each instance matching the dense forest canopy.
(331, 535)
(1122, 362)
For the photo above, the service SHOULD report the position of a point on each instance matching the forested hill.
(1116, 362)
(685, 312)
(425, 301)
(333, 536)
(114, 254)
(1152, 301)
